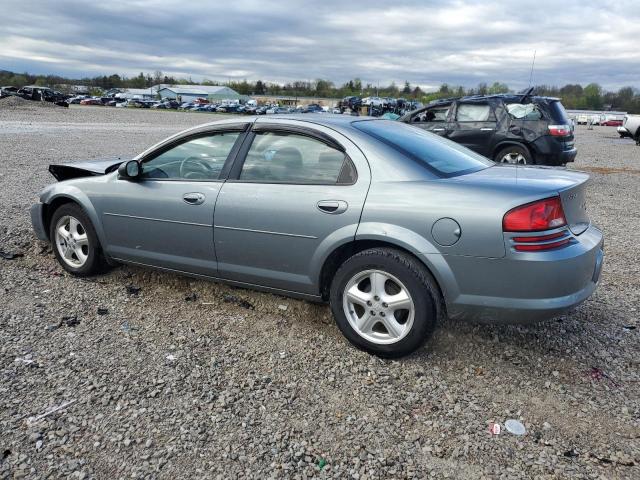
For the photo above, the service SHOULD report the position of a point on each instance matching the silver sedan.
(392, 225)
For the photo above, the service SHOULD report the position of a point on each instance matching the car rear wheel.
(385, 302)
(74, 241)
(514, 154)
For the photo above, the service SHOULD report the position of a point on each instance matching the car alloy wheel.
(72, 241)
(378, 307)
(515, 158)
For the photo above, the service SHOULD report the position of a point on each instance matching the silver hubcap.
(378, 306)
(72, 241)
(514, 157)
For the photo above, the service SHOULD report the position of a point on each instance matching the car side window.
(282, 157)
(474, 112)
(437, 114)
(527, 111)
(200, 158)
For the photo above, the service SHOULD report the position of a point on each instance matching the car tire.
(78, 250)
(514, 154)
(387, 331)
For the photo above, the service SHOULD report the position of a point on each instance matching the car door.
(474, 126)
(165, 218)
(434, 119)
(293, 194)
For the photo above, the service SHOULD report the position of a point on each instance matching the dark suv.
(509, 128)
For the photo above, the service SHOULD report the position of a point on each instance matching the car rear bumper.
(525, 287)
(37, 220)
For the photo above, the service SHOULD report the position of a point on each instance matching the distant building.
(137, 93)
(188, 93)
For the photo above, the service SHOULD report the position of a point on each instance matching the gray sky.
(425, 42)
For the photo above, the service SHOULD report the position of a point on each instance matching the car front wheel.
(74, 241)
(385, 302)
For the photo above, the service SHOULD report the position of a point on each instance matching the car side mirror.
(130, 170)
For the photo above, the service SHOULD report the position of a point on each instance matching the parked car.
(91, 101)
(8, 91)
(35, 92)
(302, 209)
(611, 122)
(632, 124)
(351, 103)
(582, 119)
(623, 132)
(523, 129)
(312, 108)
(77, 99)
(277, 110)
(373, 101)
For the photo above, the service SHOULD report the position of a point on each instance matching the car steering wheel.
(202, 167)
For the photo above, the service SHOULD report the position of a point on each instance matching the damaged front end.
(89, 168)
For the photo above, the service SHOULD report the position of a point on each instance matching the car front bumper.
(37, 220)
(525, 287)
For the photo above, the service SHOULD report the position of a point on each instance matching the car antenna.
(532, 64)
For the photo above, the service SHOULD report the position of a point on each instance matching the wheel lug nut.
(382, 314)
(373, 313)
(376, 298)
(369, 303)
(384, 305)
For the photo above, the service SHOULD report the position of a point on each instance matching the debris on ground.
(133, 290)
(102, 311)
(70, 321)
(37, 418)
(598, 374)
(238, 301)
(514, 426)
(10, 255)
(495, 428)
(192, 297)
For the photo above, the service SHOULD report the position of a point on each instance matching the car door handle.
(193, 198)
(333, 207)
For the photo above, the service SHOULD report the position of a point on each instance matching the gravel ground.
(160, 376)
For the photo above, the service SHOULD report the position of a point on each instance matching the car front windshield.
(442, 156)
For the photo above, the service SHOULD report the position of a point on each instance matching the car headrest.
(287, 156)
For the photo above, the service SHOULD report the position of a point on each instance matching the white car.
(373, 101)
(632, 124)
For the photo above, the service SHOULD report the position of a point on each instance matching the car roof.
(507, 97)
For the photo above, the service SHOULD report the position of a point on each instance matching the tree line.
(574, 96)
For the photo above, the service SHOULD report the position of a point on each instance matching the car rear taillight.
(538, 216)
(560, 130)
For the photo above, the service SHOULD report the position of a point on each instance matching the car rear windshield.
(558, 113)
(443, 157)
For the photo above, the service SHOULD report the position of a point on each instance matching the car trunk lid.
(541, 182)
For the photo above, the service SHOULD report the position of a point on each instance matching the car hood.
(87, 168)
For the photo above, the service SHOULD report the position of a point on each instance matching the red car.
(612, 123)
(91, 101)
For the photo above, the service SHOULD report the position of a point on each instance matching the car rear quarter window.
(526, 111)
(441, 156)
(282, 157)
(558, 113)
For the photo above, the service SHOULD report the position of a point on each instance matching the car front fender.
(61, 191)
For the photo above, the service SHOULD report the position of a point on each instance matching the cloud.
(427, 43)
